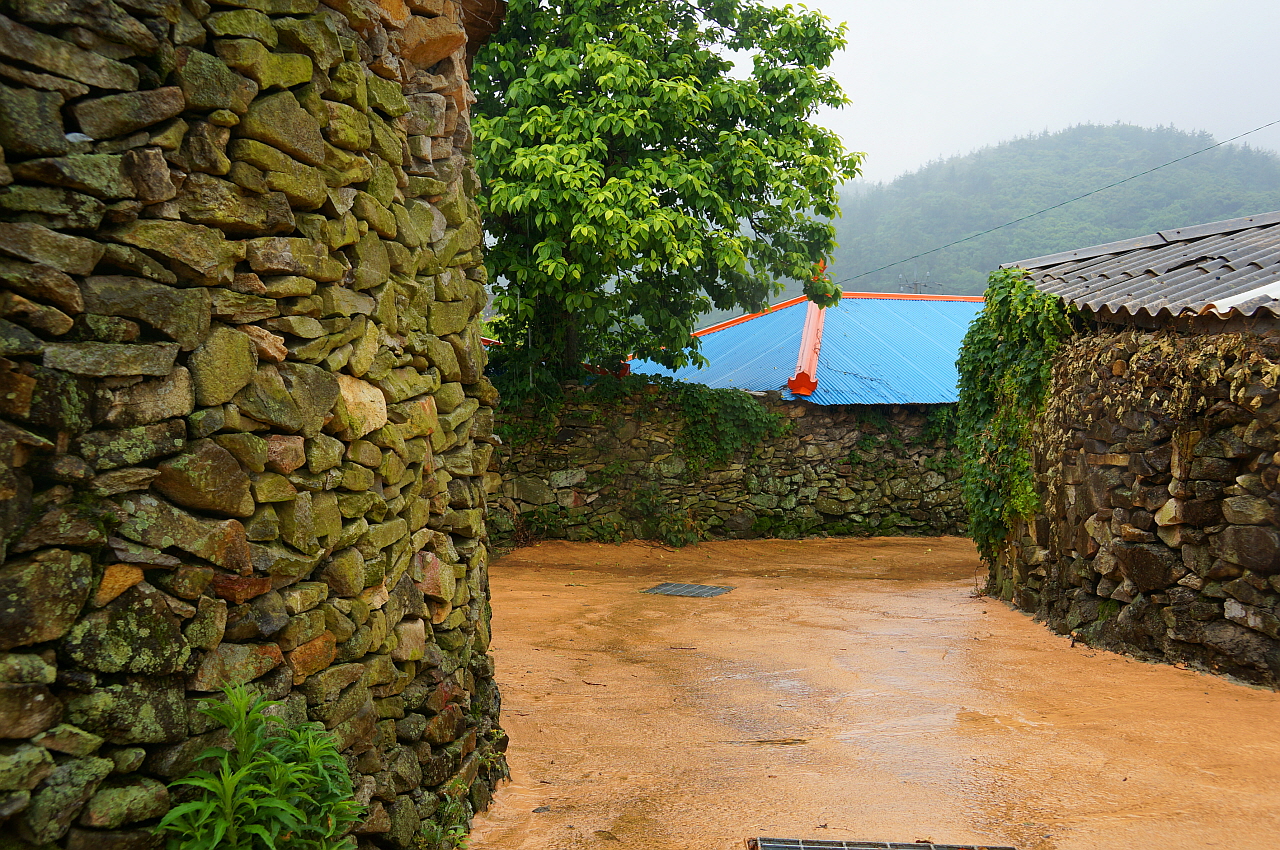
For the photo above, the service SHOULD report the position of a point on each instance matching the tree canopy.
(636, 178)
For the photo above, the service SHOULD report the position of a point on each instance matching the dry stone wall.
(1158, 472)
(616, 470)
(243, 417)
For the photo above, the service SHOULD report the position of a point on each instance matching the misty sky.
(931, 79)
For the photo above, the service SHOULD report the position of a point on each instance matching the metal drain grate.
(815, 844)
(671, 588)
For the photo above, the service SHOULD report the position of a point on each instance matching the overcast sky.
(930, 79)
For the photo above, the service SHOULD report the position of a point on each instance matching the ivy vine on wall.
(1005, 371)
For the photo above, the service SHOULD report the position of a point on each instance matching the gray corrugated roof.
(1225, 267)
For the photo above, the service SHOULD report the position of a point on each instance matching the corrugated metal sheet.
(758, 354)
(876, 349)
(892, 351)
(1226, 267)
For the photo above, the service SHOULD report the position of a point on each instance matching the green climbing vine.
(1005, 371)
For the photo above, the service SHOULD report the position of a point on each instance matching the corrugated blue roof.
(876, 349)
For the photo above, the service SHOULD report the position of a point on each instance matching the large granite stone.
(280, 121)
(136, 633)
(205, 199)
(131, 446)
(425, 41)
(101, 359)
(1251, 546)
(203, 250)
(125, 801)
(222, 366)
(148, 402)
(63, 58)
(41, 596)
(140, 710)
(39, 244)
(43, 284)
(293, 397)
(157, 523)
(233, 664)
(207, 83)
(180, 314)
(55, 805)
(107, 19)
(101, 175)
(206, 477)
(120, 114)
(26, 709)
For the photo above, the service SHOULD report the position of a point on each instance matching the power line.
(1062, 204)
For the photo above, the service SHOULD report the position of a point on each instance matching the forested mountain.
(954, 198)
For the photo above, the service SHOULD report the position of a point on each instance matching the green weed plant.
(277, 788)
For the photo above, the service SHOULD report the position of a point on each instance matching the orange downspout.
(805, 380)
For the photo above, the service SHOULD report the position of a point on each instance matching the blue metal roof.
(876, 349)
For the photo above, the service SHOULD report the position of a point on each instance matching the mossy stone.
(135, 633)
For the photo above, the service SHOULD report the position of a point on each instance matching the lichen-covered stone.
(63, 58)
(41, 595)
(207, 83)
(222, 365)
(101, 175)
(118, 114)
(31, 122)
(180, 314)
(128, 446)
(148, 402)
(157, 523)
(233, 664)
(23, 767)
(39, 244)
(59, 799)
(269, 69)
(280, 121)
(65, 738)
(119, 802)
(100, 359)
(206, 477)
(207, 200)
(136, 633)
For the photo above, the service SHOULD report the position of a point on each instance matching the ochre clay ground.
(847, 689)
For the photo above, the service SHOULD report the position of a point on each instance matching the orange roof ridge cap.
(805, 380)
(728, 323)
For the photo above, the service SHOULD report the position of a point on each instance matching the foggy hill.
(954, 198)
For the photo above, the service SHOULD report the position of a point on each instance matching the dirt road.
(846, 690)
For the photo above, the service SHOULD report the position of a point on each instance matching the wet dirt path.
(847, 690)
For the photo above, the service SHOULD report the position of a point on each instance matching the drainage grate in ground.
(671, 588)
(815, 844)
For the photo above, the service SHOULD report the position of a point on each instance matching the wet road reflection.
(847, 689)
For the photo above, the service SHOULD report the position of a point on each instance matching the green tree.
(635, 180)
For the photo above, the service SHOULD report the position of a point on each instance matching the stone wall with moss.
(619, 469)
(1157, 469)
(243, 418)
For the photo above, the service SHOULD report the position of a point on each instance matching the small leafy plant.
(448, 831)
(278, 788)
